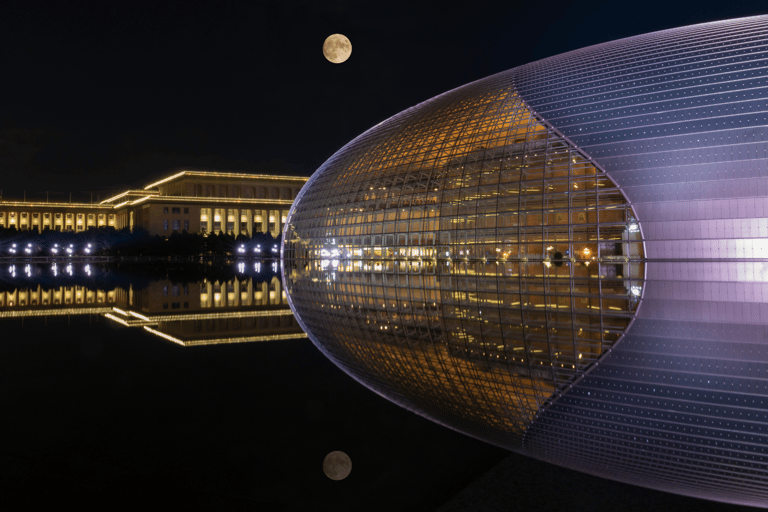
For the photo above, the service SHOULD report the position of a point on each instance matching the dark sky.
(99, 96)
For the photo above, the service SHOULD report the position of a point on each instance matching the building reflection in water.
(247, 307)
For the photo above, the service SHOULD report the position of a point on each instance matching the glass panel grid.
(465, 261)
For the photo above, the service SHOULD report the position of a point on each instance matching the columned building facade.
(30, 215)
(192, 201)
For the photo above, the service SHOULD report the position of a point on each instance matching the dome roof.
(566, 259)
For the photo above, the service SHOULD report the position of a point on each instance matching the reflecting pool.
(188, 307)
(193, 386)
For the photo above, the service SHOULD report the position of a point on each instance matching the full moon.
(337, 48)
(337, 465)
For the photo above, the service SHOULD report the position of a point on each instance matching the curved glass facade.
(469, 264)
(481, 259)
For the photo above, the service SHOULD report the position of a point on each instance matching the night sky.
(99, 96)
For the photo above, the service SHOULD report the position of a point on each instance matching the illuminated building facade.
(193, 314)
(195, 201)
(568, 259)
(37, 215)
(211, 312)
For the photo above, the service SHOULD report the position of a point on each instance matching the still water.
(247, 304)
(196, 387)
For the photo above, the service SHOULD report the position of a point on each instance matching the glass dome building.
(568, 259)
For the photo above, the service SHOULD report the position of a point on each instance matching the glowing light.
(250, 177)
(164, 336)
(116, 319)
(137, 315)
(141, 200)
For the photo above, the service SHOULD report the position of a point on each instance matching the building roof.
(222, 174)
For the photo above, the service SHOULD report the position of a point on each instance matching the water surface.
(195, 386)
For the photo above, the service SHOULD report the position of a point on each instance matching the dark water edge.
(521, 483)
(99, 415)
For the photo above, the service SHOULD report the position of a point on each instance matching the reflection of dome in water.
(480, 259)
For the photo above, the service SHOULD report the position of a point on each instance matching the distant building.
(195, 201)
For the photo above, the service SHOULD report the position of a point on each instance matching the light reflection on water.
(244, 302)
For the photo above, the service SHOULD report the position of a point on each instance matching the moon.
(337, 465)
(337, 48)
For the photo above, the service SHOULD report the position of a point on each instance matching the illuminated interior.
(468, 262)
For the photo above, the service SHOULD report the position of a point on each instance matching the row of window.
(175, 290)
(175, 305)
(176, 209)
(245, 192)
(176, 225)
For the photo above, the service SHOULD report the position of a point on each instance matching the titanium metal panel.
(679, 120)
